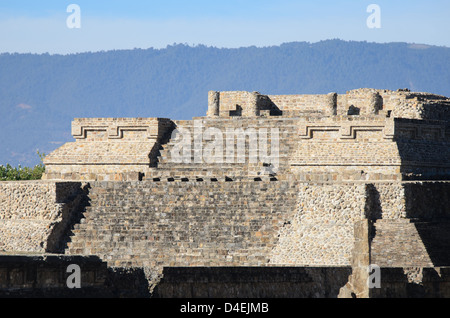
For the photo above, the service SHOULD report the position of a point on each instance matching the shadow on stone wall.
(266, 104)
(46, 276)
(74, 206)
(423, 148)
(436, 239)
(128, 283)
(155, 152)
(436, 111)
(413, 283)
(252, 282)
(427, 200)
(428, 204)
(372, 209)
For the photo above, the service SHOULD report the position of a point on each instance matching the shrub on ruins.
(9, 173)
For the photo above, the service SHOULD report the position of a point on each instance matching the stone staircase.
(151, 224)
(244, 165)
(397, 243)
(194, 214)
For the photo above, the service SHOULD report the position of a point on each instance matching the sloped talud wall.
(35, 216)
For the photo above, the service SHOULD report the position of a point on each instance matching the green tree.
(9, 173)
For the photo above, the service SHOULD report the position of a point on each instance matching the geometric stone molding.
(389, 128)
(115, 127)
(346, 129)
(414, 130)
(108, 149)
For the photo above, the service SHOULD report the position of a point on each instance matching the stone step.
(138, 222)
(397, 242)
(151, 186)
(149, 201)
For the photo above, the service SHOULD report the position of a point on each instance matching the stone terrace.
(346, 180)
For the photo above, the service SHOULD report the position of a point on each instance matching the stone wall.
(398, 243)
(238, 103)
(347, 148)
(321, 230)
(343, 148)
(244, 222)
(410, 223)
(413, 282)
(365, 101)
(35, 215)
(251, 282)
(301, 105)
(118, 149)
(427, 200)
(424, 200)
(398, 104)
(46, 276)
(403, 257)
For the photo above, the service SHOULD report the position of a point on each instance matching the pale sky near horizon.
(30, 26)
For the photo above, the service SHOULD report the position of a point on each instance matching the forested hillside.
(41, 94)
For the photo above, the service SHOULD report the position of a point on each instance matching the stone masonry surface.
(347, 180)
(34, 214)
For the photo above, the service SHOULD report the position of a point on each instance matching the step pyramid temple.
(336, 195)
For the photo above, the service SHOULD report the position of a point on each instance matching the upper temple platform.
(360, 102)
(365, 134)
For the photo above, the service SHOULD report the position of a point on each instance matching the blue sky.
(40, 26)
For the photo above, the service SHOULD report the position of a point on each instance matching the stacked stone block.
(184, 223)
(34, 215)
(321, 231)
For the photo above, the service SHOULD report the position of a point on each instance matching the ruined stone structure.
(308, 189)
